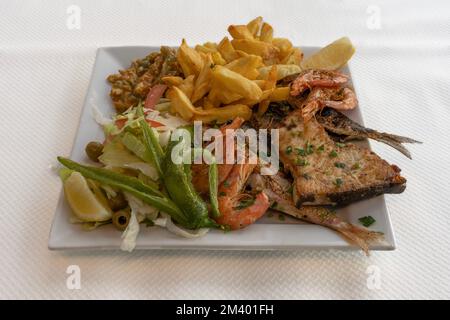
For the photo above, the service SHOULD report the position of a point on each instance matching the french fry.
(217, 58)
(224, 80)
(295, 57)
(240, 32)
(279, 94)
(227, 50)
(283, 70)
(210, 45)
(252, 102)
(203, 49)
(270, 85)
(267, 51)
(187, 86)
(228, 86)
(203, 81)
(223, 114)
(254, 26)
(260, 83)
(172, 80)
(266, 33)
(246, 66)
(218, 95)
(189, 60)
(181, 103)
(241, 53)
(207, 104)
(284, 45)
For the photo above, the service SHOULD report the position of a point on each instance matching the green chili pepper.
(134, 186)
(181, 190)
(213, 182)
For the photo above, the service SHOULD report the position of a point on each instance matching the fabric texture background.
(401, 72)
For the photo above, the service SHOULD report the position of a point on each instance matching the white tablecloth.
(401, 71)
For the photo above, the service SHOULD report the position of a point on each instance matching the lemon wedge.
(88, 204)
(331, 57)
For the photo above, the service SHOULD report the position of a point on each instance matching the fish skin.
(315, 181)
(347, 130)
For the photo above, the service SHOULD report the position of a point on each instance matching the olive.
(121, 218)
(94, 150)
(118, 202)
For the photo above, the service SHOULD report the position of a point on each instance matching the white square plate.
(269, 233)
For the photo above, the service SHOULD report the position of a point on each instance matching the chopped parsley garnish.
(321, 148)
(356, 166)
(288, 150)
(306, 176)
(270, 214)
(338, 182)
(333, 154)
(226, 183)
(222, 194)
(367, 221)
(340, 144)
(281, 217)
(245, 204)
(302, 162)
(274, 204)
(309, 148)
(339, 165)
(300, 152)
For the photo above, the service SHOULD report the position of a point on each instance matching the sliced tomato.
(154, 124)
(154, 95)
(120, 123)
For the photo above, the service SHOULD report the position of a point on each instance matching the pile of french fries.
(232, 78)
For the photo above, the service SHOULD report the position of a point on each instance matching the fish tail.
(397, 138)
(360, 236)
(394, 141)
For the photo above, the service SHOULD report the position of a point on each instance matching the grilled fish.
(347, 129)
(276, 187)
(327, 172)
(339, 126)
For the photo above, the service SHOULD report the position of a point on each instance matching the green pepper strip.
(151, 141)
(132, 185)
(181, 190)
(213, 182)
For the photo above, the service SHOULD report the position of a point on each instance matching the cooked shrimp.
(349, 102)
(224, 169)
(234, 212)
(200, 171)
(309, 79)
(336, 98)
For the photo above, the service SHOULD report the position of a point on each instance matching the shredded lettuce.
(143, 211)
(115, 154)
(135, 145)
(99, 117)
(130, 234)
(145, 168)
(179, 231)
(109, 191)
